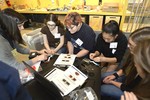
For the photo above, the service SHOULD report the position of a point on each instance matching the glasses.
(71, 27)
(51, 25)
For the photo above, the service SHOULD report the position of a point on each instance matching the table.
(38, 92)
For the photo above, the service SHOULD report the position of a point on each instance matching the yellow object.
(96, 22)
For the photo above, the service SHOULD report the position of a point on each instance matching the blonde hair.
(142, 55)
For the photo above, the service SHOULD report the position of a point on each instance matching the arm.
(60, 44)
(46, 44)
(70, 47)
(82, 53)
(105, 59)
(113, 76)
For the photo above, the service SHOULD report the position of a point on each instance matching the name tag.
(79, 42)
(113, 45)
(57, 35)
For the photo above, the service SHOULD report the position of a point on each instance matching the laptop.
(50, 86)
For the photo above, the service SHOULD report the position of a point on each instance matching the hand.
(128, 96)
(92, 55)
(42, 57)
(108, 79)
(53, 51)
(97, 59)
(42, 51)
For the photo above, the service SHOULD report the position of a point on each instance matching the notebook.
(50, 86)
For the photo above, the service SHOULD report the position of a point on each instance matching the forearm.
(47, 46)
(82, 53)
(60, 44)
(120, 72)
(109, 60)
(117, 84)
(59, 47)
(70, 47)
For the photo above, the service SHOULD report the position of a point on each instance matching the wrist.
(116, 75)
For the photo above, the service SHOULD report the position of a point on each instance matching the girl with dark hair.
(128, 78)
(53, 35)
(10, 39)
(110, 47)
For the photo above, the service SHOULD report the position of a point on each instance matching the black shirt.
(118, 51)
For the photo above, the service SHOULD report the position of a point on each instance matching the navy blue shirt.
(118, 51)
(85, 35)
(10, 85)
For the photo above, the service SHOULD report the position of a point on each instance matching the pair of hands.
(96, 58)
(109, 79)
(43, 55)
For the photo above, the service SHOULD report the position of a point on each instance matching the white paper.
(66, 80)
(65, 60)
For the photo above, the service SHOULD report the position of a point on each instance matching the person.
(110, 47)
(80, 36)
(128, 96)
(10, 39)
(127, 78)
(54, 35)
(10, 85)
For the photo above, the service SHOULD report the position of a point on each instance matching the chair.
(34, 39)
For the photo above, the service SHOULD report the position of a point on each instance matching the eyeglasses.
(71, 27)
(51, 25)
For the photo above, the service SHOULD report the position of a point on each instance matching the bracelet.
(116, 75)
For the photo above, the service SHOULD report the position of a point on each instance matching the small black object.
(33, 54)
(116, 75)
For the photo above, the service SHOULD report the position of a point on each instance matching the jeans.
(109, 90)
(61, 50)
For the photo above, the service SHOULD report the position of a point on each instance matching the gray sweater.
(7, 57)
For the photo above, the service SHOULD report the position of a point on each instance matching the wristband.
(116, 75)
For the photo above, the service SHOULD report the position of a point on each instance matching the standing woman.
(10, 39)
(53, 35)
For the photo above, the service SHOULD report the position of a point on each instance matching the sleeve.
(124, 87)
(61, 31)
(68, 38)
(21, 49)
(7, 57)
(122, 46)
(98, 43)
(43, 30)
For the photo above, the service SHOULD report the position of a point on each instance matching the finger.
(122, 97)
(134, 96)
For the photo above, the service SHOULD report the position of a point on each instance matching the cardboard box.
(96, 22)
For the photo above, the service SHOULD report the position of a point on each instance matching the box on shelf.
(96, 22)
(110, 7)
(116, 18)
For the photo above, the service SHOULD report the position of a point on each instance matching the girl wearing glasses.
(53, 35)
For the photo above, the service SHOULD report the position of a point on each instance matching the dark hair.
(10, 28)
(112, 27)
(72, 18)
(140, 34)
(19, 18)
(54, 18)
